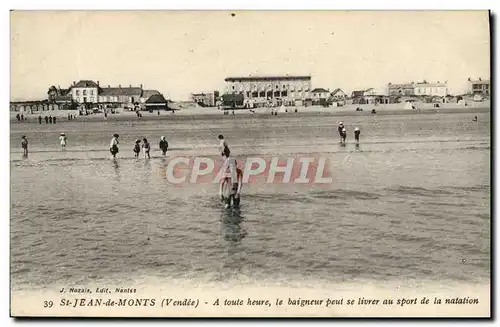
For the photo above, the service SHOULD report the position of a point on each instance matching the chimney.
(141, 86)
(109, 86)
(130, 85)
(480, 79)
(120, 86)
(97, 83)
(74, 83)
(468, 79)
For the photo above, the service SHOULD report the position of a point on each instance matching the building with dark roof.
(130, 95)
(156, 102)
(90, 92)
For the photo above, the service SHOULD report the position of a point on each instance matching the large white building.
(418, 89)
(287, 90)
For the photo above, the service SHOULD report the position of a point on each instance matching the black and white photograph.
(250, 163)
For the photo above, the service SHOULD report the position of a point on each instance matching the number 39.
(48, 304)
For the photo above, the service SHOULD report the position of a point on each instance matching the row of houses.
(89, 94)
(257, 91)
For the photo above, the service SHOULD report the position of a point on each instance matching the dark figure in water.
(39, 119)
(475, 118)
(18, 117)
(344, 135)
(163, 145)
(46, 120)
(54, 119)
(22, 117)
(24, 145)
(374, 111)
(50, 119)
(158, 112)
(356, 134)
(137, 148)
(339, 129)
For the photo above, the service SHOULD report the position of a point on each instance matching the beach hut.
(156, 102)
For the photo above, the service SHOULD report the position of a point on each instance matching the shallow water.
(411, 203)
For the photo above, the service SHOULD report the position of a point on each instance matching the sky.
(184, 52)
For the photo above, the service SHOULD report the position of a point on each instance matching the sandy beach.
(198, 112)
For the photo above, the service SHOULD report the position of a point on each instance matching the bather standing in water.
(163, 145)
(137, 148)
(232, 182)
(357, 132)
(113, 145)
(339, 128)
(146, 147)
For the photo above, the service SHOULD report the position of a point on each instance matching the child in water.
(137, 148)
(113, 146)
(356, 134)
(146, 147)
(24, 145)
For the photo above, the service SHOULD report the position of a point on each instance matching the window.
(84, 92)
(91, 92)
(277, 86)
(284, 93)
(255, 94)
(262, 94)
(277, 94)
(77, 92)
(248, 94)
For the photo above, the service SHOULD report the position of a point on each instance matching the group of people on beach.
(343, 133)
(145, 147)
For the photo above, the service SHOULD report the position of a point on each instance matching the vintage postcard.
(250, 164)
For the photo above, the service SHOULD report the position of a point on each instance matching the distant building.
(278, 90)
(156, 102)
(58, 95)
(128, 96)
(480, 86)
(146, 94)
(88, 92)
(338, 97)
(320, 96)
(418, 89)
(208, 99)
(85, 91)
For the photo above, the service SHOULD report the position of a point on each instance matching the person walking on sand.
(24, 145)
(46, 120)
(62, 140)
(137, 148)
(356, 134)
(54, 119)
(18, 117)
(39, 119)
(146, 147)
(50, 119)
(222, 144)
(113, 145)
(163, 145)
